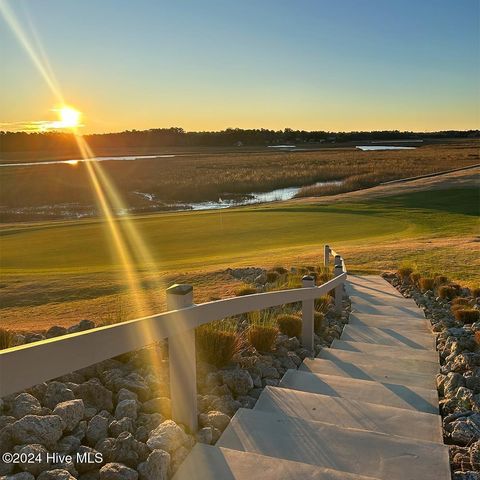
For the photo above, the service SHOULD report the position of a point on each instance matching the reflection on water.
(74, 161)
(382, 147)
(256, 197)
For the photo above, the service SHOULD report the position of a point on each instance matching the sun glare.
(69, 118)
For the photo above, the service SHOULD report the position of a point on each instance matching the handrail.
(24, 366)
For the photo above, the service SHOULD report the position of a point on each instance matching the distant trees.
(64, 143)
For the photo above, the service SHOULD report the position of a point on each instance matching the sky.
(207, 65)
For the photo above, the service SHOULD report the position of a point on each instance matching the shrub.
(218, 342)
(404, 272)
(322, 303)
(318, 319)
(460, 303)
(6, 338)
(467, 315)
(426, 284)
(476, 292)
(290, 325)
(280, 270)
(440, 280)
(245, 290)
(447, 292)
(272, 276)
(414, 278)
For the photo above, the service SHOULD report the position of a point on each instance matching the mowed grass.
(60, 272)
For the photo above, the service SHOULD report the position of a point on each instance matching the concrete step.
(386, 336)
(386, 350)
(385, 321)
(372, 284)
(365, 306)
(381, 393)
(207, 462)
(374, 372)
(348, 413)
(325, 445)
(393, 362)
(386, 299)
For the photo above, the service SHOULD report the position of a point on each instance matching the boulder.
(238, 381)
(38, 452)
(123, 449)
(94, 394)
(126, 408)
(97, 430)
(25, 404)
(214, 419)
(55, 331)
(46, 430)
(160, 404)
(125, 424)
(56, 474)
(156, 466)
(117, 471)
(71, 412)
(167, 436)
(205, 435)
(57, 392)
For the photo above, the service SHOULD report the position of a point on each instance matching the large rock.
(56, 474)
(160, 404)
(56, 393)
(238, 381)
(214, 419)
(167, 436)
(117, 471)
(126, 408)
(55, 331)
(452, 382)
(19, 476)
(71, 412)
(46, 430)
(39, 453)
(94, 394)
(123, 449)
(156, 466)
(25, 404)
(125, 424)
(97, 430)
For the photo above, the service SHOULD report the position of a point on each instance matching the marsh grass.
(217, 342)
(476, 292)
(322, 303)
(447, 292)
(245, 290)
(460, 303)
(319, 322)
(426, 284)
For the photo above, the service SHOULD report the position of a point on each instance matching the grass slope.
(60, 270)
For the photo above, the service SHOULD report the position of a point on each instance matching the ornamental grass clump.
(324, 274)
(460, 303)
(447, 292)
(467, 315)
(404, 273)
(440, 280)
(6, 338)
(475, 292)
(245, 290)
(280, 270)
(289, 324)
(426, 284)
(217, 342)
(415, 278)
(318, 325)
(272, 276)
(262, 331)
(322, 303)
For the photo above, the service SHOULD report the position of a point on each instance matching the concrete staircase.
(367, 408)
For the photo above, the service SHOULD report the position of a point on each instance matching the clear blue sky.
(330, 65)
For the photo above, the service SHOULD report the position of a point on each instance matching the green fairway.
(57, 272)
(199, 239)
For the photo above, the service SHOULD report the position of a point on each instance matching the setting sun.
(69, 118)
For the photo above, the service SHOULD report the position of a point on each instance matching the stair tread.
(349, 413)
(207, 462)
(360, 358)
(380, 393)
(387, 321)
(373, 372)
(386, 336)
(386, 350)
(344, 449)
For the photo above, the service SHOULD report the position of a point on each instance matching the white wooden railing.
(27, 365)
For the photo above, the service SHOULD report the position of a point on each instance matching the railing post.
(308, 309)
(326, 255)
(181, 354)
(338, 290)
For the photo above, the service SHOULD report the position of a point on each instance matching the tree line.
(61, 142)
